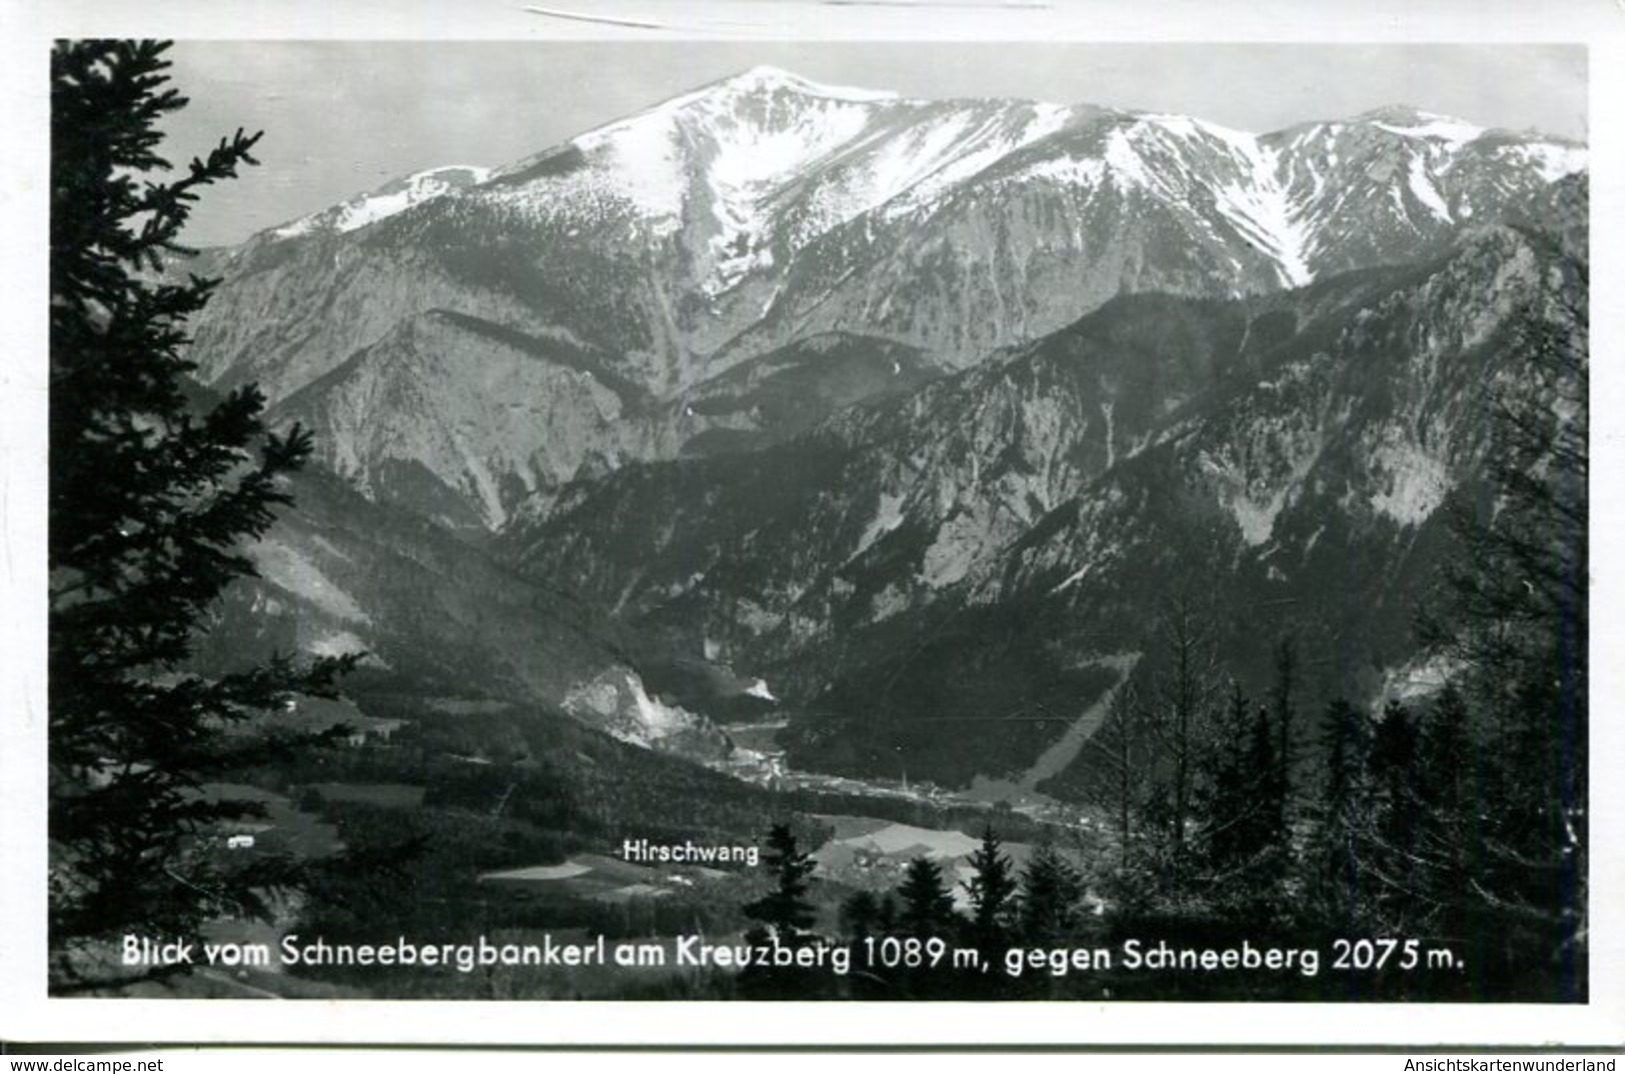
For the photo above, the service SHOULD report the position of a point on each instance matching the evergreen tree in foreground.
(149, 504)
(1338, 857)
(1448, 845)
(1244, 831)
(928, 908)
(992, 890)
(1051, 891)
(785, 916)
(1396, 817)
(860, 913)
(785, 909)
(1283, 714)
(1520, 600)
(1231, 789)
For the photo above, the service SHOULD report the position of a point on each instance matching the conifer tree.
(1243, 830)
(1268, 831)
(1283, 713)
(1395, 820)
(1518, 628)
(1446, 753)
(1521, 595)
(886, 915)
(151, 497)
(1448, 794)
(1230, 789)
(859, 913)
(927, 907)
(1395, 773)
(1342, 815)
(1051, 890)
(784, 909)
(1243, 827)
(992, 890)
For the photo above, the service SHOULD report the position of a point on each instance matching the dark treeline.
(1416, 824)
(1454, 820)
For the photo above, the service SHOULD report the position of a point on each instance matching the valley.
(782, 454)
(802, 456)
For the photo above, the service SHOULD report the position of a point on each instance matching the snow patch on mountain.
(1261, 206)
(366, 209)
(753, 162)
(1256, 200)
(302, 226)
(1431, 126)
(1082, 172)
(737, 144)
(988, 143)
(1423, 190)
(1107, 408)
(767, 77)
(912, 155)
(639, 159)
(1551, 160)
(754, 158)
(1128, 170)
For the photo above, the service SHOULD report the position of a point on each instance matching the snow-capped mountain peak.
(665, 250)
(389, 199)
(1249, 186)
(767, 78)
(1411, 122)
(731, 143)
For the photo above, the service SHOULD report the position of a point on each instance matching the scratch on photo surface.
(581, 16)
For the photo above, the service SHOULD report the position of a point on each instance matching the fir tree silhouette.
(992, 890)
(928, 907)
(784, 910)
(1051, 891)
(151, 497)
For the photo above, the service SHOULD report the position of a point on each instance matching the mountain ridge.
(774, 78)
(673, 246)
(1306, 447)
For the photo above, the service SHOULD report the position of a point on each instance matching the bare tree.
(1123, 749)
(1182, 707)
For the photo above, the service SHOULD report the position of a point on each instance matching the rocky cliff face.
(440, 621)
(1289, 452)
(757, 216)
(883, 413)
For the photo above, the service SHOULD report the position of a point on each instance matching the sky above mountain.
(342, 117)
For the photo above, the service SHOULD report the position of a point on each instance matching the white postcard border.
(27, 1014)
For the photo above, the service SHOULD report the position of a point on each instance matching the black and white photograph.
(688, 517)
